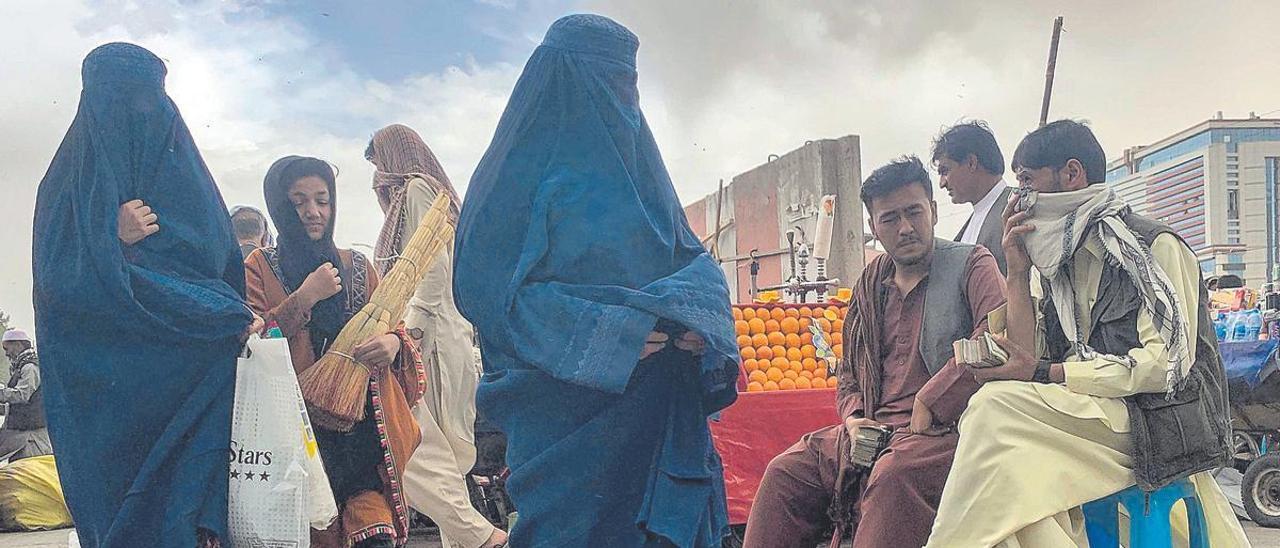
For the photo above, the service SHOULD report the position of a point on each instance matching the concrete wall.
(783, 194)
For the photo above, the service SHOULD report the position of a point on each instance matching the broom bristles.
(336, 384)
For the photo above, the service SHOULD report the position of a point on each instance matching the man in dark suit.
(969, 166)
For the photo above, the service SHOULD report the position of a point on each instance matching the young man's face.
(12, 348)
(961, 179)
(903, 221)
(1070, 177)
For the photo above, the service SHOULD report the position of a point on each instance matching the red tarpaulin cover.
(760, 426)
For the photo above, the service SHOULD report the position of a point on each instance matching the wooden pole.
(1048, 75)
(715, 239)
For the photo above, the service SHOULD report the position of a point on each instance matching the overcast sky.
(724, 84)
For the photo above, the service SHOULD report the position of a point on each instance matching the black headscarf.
(299, 254)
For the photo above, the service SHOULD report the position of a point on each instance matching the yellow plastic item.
(768, 297)
(31, 496)
(843, 295)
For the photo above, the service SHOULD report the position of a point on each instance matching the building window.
(1233, 203)
(1207, 266)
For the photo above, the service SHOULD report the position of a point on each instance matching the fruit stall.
(786, 390)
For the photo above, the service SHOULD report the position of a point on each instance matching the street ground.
(1260, 537)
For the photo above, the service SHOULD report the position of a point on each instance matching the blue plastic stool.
(1148, 517)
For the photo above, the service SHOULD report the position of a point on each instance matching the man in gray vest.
(970, 165)
(24, 433)
(1113, 376)
(897, 373)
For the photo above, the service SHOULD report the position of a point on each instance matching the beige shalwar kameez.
(434, 479)
(1031, 454)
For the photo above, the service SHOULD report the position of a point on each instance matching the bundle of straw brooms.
(335, 386)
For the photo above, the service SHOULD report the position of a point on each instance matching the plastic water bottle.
(1220, 326)
(1235, 327)
(1253, 325)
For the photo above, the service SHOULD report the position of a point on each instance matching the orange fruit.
(837, 338)
(809, 364)
(837, 326)
(808, 351)
(774, 374)
(832, 382)
(757, 376)
(744, 340)
(797, 366)
(790, 375)
(806, 312)
(793, 313)
(781, 363)
(801, 384)
(835, 310)
(776, 338)
(807, 374)
(838, 349)
(820, 372)
(789, 325)
(844, 311)
(747, 353)
(823, 324)
(759, 339)
(756, 325)
(778, 314)
(770, 386)
(762, 313)
(770, 326)
(737, 313)
(794, 355)
(806, 337)
(764, 353)
(779, 351)
(750, 365)
(829, 315)
(786, 384)
(755, 387)
(740, 327)
(804, 324)
(818, 383)
(748, 314)
(794, 341)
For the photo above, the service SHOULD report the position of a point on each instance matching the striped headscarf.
(400, 155)
(1063, 220)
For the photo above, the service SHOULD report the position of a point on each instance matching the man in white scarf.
(1068, 419)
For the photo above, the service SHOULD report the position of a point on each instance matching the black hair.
(974, 137)
(248, 224)
(368, 151)
(26, 345)
(1054, 144)
(889, 178)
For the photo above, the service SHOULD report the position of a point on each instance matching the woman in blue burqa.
(139, 311)
(604, 324)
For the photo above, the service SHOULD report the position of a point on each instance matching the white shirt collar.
(980, 212)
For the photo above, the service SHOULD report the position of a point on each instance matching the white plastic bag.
(278, 488)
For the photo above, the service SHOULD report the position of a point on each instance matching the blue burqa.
(138, 343)
(571, 247)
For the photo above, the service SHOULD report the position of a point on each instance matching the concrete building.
(1216, 184)
(762, 204)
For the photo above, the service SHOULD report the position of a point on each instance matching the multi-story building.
(1217, 183)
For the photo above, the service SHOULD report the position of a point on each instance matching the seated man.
(1125, 384)
(897, 372)
(24, 433)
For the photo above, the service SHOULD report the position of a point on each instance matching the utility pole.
(1048, 74)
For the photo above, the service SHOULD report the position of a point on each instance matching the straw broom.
(335, 386)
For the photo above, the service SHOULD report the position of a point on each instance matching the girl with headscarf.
(408, 178)
(604, 325)
(311, 289)
(139, 303)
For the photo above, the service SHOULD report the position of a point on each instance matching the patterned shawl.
(1063, 220)
(400, 156)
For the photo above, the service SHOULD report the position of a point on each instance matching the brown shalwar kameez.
(900, 497)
